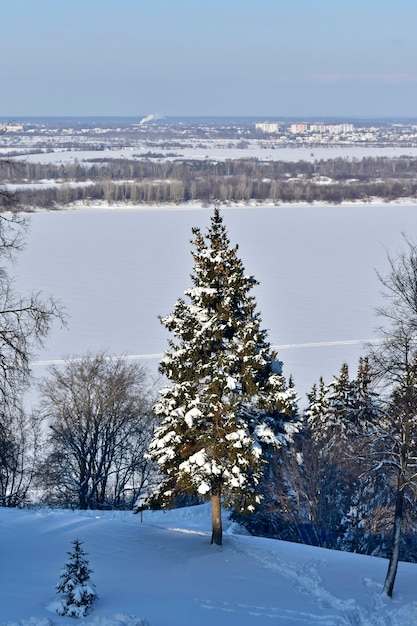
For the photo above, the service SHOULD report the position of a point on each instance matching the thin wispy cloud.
(399, 78)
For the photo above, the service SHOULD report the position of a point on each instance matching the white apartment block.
(321, 128)
(302, 127)
(318, 128)
(267, 127)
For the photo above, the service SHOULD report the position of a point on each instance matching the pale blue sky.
(260, 58)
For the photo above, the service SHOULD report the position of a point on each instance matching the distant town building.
(13, 128)
(267, 127)
(296, 129)
(300, 128)
(346, 128)
(318, 128)
(321, 128)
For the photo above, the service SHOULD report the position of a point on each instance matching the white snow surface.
(162, 571)
(116, 269)
(220, 150)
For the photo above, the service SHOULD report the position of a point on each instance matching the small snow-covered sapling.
(78, 593)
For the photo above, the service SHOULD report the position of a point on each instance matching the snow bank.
(117, 620)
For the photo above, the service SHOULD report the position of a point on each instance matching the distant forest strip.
(154, 181)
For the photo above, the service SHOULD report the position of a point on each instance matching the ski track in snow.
(272, 612)
(313, 344)
(306, 579)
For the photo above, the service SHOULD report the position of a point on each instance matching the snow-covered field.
(163, 570)
(116, 269)
(220, 150)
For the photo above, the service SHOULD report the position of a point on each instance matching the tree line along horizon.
(156, 179)
(227, 428)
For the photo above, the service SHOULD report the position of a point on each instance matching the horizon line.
(213, 116)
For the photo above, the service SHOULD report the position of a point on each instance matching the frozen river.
(116, 269)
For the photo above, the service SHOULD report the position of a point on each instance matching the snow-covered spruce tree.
(317, 409)
(228, 400)
(340, 417)
(345, 409)
(75, 586)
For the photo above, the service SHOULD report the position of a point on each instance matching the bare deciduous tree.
(19, 454)
(98, 410)
(394, 447)
(24, 324)
(24, 320)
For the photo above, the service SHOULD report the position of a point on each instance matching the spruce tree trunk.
(396, 540)
(216, 515)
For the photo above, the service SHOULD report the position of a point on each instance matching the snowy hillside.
(163, 570)
(116, 270)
